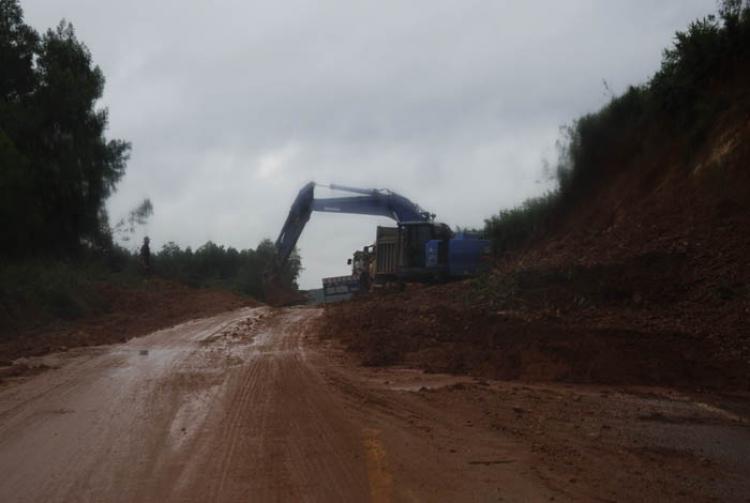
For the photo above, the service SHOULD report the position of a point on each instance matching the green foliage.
(37, 293)
(57, 168)
(588, 142)
(53, 290)
(707, 52)
(710, 50)
(511, 229)
(214, 266)
(138, 216)
(18, 45)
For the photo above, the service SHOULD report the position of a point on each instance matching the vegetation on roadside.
(35, 294)
(711, 50)
(39, 292)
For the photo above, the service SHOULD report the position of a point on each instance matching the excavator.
(418, 249)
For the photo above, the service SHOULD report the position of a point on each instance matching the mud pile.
(444, 329)
(646, 280)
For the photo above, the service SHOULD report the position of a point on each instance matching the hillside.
(641, 278)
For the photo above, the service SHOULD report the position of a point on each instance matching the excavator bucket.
(279, 296)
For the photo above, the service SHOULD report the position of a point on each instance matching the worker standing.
(146, 256)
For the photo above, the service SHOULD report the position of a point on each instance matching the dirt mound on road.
(156, 304)
(444, 329)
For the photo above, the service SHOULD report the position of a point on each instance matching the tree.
(18, 45)
(138, 216)
(224, 268)
(57, 167)
(79, 168)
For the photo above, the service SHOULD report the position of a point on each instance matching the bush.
(511, 229)
(40, 292)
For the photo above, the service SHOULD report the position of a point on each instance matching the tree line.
(214, 266)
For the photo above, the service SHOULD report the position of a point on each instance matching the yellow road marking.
(381, 481)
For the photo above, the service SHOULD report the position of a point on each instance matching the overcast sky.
(233, 105)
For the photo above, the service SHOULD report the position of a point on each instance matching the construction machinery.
(417, 249)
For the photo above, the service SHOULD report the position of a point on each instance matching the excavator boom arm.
(371, 202)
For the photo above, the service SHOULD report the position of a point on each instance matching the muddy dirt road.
(250, 406)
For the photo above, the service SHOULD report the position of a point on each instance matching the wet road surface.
(213, 410)
(251, 406)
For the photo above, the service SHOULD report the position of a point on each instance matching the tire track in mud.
(228, 444)
(197, 388)
(283, 428)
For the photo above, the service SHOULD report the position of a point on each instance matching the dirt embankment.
(131, 312)
(645, 281)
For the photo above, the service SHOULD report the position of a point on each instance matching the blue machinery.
(418, 249)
